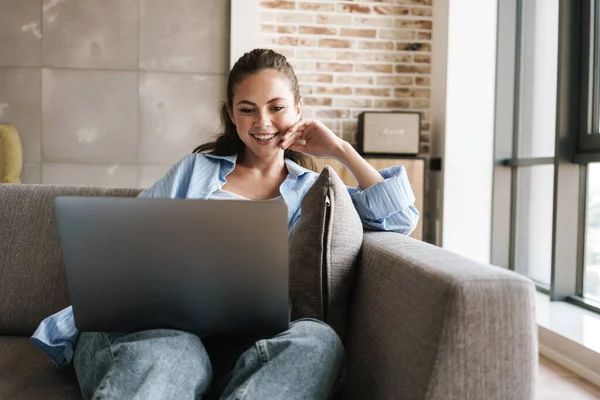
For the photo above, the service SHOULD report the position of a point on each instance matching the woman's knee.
(318, 336)
(89, 347)
(160, 344)
(313, 327)
(174, 357)
(156, 346)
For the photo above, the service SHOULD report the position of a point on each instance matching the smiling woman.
(263, 103)
(259, 156)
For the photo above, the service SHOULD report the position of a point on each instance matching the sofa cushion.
(32, 279)
(324, 247)
(1, 161)
(26, 373)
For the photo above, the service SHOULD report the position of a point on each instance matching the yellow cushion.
(11, 155)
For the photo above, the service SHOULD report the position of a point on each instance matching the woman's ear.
(299, 109)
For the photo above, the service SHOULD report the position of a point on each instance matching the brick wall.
(354, 56)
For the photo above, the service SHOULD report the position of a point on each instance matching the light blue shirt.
(385, 206)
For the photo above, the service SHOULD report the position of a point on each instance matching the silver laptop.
(203, 266)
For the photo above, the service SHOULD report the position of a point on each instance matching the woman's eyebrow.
(253, 104)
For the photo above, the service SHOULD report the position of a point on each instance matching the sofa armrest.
(429, 324)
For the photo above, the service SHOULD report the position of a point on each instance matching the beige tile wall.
(111, 93)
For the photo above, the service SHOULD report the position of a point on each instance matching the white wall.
(245, 28)
(439, 72)
(464, 126)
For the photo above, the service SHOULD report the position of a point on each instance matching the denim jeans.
(303, 362)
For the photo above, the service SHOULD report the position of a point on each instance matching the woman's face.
(263, 109)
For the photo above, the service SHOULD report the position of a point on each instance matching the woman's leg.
(153, 364)
(302, 363)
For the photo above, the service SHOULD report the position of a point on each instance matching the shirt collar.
(293, 169)
(230, 159)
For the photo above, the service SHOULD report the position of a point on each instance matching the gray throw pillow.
(324, 248)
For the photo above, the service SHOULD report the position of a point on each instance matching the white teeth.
(264, 137)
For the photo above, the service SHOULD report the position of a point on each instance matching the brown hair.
(228, 142)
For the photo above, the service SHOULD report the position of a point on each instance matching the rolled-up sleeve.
(387, 205)
(56, 336)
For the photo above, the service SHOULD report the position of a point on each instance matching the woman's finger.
(292, 131)
(288, 132)
(291, 138)
(286, 139)
(297, 125)
(298, 146)
(295, 137)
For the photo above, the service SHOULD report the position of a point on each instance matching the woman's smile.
(264, 138)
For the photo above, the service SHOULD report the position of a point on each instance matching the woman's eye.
(245, 110)
(278, 108)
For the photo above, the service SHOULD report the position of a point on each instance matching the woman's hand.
(315, 139)
(312, 137)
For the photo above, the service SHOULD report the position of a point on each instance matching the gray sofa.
(424, 323)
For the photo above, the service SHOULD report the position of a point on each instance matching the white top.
(226, 195)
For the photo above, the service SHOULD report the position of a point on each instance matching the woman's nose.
(263, 121)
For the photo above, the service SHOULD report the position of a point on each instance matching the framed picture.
(394, 133)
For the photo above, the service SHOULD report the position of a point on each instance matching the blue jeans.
(303, 362)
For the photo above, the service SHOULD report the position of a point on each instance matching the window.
(538, 59)
(533, 236)
(589, 140)
(534, 142)
(546, 204)
(591, 274)
(588, 153)
(528, 143)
